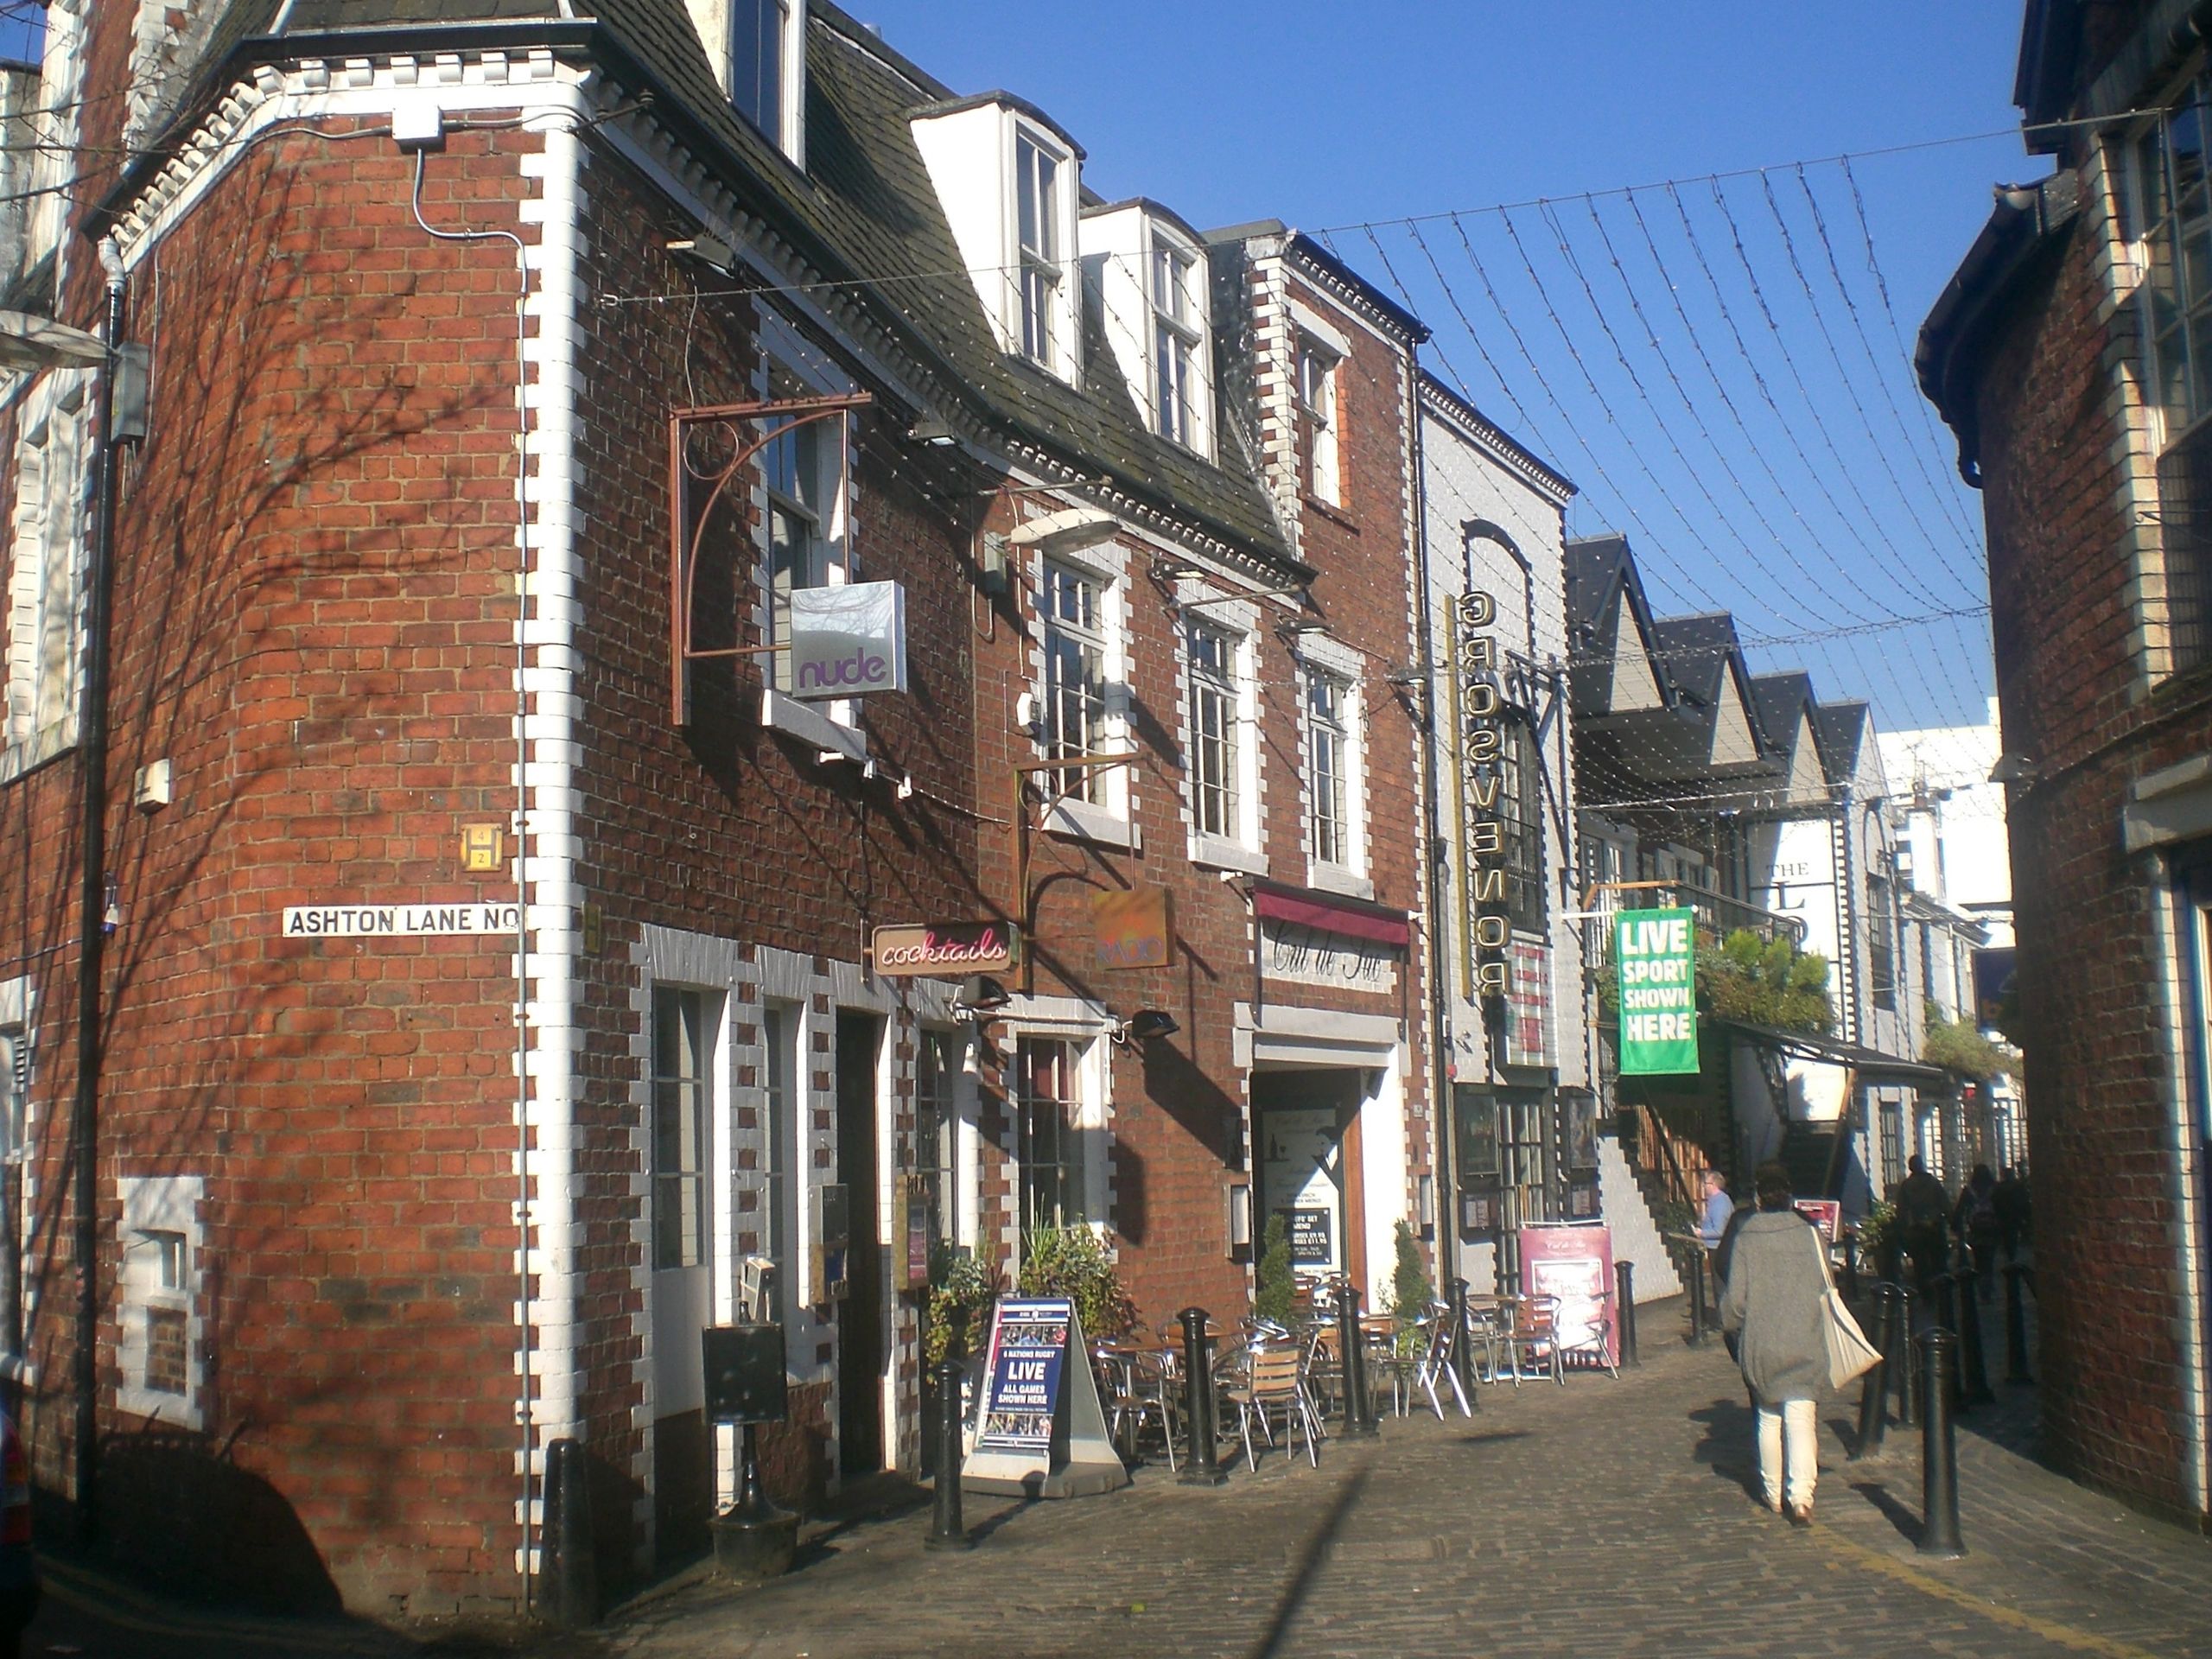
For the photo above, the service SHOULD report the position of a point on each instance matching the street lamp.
(29, 344)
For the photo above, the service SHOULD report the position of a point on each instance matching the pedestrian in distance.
(2010, 1201)
(1973, 1220)
(1778, 1273)
(1924, 1213)
(1713, 1210)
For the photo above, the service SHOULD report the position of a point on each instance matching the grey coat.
(1776, 1279)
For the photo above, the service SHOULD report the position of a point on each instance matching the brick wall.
(2098, 1067)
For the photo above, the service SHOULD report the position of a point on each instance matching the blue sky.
(1721, 368)
(1787, 471)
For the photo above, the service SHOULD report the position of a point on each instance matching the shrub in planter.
(962, 1292)
(1074, 1262)
(1277, 1288)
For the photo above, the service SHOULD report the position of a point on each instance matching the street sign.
(1655, 955)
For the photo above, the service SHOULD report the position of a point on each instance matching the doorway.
(683, 1225)
(1306, 1134)
(860, 1345)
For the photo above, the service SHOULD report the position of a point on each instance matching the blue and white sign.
(849, 641)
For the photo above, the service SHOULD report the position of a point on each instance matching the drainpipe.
(91, 915)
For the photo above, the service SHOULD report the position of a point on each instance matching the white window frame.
(785, 1049)
(791, 368)
(693, 1172)
(787, 130)
(1085, 1127)
(151, 1207)
(1094, 804)
(1178, 360)
(1236, 844)
(1041, 269)
(1319, 404)
(1322, 658)
(44, 641)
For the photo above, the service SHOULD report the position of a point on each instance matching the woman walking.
(1776, 1275)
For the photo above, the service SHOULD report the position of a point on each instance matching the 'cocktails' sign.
(945, 950)
(1655, 953)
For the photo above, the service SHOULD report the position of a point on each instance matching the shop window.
(679, 1129)
(780, 1032)
(937, 1112)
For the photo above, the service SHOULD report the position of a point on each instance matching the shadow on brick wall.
(177, 1507)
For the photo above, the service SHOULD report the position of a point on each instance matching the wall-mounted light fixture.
(980, 995)
(937, 434)
(1240, 1218)
(1145, 1025)
(1069, 530)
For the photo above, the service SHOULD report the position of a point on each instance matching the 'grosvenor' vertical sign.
(1654, 952)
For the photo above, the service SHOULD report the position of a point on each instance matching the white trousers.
(1789, 1453)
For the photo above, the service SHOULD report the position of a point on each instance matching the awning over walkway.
(1871, 1064)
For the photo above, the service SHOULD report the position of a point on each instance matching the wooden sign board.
(1133, 928)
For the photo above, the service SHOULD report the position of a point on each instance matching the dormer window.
(767, 69)
(1037, 192)
(1177, 337)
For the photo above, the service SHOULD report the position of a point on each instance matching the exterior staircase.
(1813, 1153)
(1628, 1198)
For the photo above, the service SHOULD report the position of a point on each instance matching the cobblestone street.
(1604, 1517)
(1607, 1518)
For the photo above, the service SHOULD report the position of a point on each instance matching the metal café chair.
(1533, 1340)
(1436, 1361)
(1586, 1338)
(1272, 1382)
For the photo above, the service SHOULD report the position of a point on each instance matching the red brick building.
(2067, 355)
(490, 975)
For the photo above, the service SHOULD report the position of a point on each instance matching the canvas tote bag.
(1850, 1354)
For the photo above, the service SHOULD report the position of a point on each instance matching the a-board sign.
(1826, 1214)
(1574, 1263)
(1040, 1432)
(1309, 1232)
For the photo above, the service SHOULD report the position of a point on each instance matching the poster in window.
(1580, 1111)
(1310, 1231)
(1478, 1114)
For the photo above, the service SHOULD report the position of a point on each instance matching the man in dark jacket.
(1923, 1214)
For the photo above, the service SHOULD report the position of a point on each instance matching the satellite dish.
(29, 342)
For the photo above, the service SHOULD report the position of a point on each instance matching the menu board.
(1576, 1265)
(1826, 1214)
(1309, 1237)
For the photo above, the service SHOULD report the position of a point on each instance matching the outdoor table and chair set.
(1292, 1375)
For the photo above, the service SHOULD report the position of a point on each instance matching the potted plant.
(1274, 1290)
(1074, 1262)
(1410, 1291)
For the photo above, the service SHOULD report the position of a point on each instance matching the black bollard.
(1203, 1468)
(1873, 1399)
(575, 1567)
(1946, 1287)
(1359, 1401)
(1907, 1369)
(2016, 1326)
(1697, 1299)
(1624, 1322)
(1974, 1363)
(1850, 1265)
(947, 1531)
(1939, 1467)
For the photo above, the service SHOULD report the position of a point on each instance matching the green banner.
(1654, 954)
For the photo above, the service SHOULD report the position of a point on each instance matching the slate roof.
(1779, 702)
(865, 207)
(1842, 729)
(1599, 571)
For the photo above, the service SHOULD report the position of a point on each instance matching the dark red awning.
(1352, 917)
